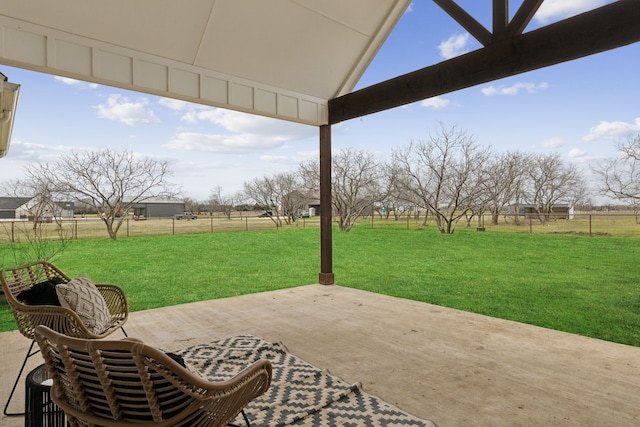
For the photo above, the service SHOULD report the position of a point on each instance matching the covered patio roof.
(277, 58)
(296, 60)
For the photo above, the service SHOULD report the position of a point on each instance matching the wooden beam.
(326, 241)
(500, 17)
(467, 21)
(602, 29)
(523, 16)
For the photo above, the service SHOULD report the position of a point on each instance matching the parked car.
(304, 214)
(266, 214)
(185, 215)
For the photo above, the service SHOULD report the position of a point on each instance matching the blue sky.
(579, 109)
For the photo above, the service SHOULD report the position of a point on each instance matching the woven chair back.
(116, 383)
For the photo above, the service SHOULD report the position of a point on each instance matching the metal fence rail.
(92, 228)
(588, 224)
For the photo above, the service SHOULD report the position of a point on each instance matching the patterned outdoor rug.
(300, 394)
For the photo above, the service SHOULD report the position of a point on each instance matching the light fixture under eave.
(8, 102)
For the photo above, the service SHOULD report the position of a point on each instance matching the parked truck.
(185, 215)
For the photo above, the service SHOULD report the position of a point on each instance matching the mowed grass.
(578, 284)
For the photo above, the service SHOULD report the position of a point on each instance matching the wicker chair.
(125, 382)
(16, 279)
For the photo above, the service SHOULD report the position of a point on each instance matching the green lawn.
(578, 284)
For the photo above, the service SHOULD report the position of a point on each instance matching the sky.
(579, 110)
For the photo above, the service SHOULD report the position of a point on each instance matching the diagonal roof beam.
(467, 21)
(523, 16)
(599, 30)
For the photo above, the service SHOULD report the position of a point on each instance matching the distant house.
(307, 205)
(47, 210)
(559, 211)
(313, 205)
(158, 207)
(14, 207)
(28, 208)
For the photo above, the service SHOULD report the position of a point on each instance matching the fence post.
(590, 225)
(13, 226)
(212, 224)
(127, 227)
(173, 226)
(76, 228)
(530, 224)
(246, 224)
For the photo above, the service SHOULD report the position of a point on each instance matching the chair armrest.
(115, 299)
(132, 339)
(62, 319)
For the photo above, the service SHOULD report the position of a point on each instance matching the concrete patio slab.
(453, 367)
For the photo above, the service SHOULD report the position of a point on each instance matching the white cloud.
(282, 160)
(436, 103)
(454, 46)
(293, 159)
(554, 142)
(175, 104)
(236, 122)
(576, 153)
(554, 10)
(513, 89)
(227, 144)
(180, 105)
(612, 130)
(240, 133)
(30, 152)
(409, 8)
(120, 108)
(74, 82)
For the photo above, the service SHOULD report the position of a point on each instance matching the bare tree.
(192, 205)
(281, 192)
(445, 173)
(550, 182)
(504, 182)
(354, 184)
(221, 202)
(392, 195)
(46, 238)
(42, 206)
(111, 182)
(620, 177)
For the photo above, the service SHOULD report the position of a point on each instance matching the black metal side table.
(40, 411)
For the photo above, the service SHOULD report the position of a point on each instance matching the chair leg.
(246, 420)
(15, 384)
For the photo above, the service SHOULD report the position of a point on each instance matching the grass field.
(578, 284)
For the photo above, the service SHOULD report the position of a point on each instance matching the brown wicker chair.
(16, 279)
(125, 382)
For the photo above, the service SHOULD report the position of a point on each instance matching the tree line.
(447, 175)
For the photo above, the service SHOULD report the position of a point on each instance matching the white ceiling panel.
(280, 58)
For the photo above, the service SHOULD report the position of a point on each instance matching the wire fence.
(588, 224)
(22, 231)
